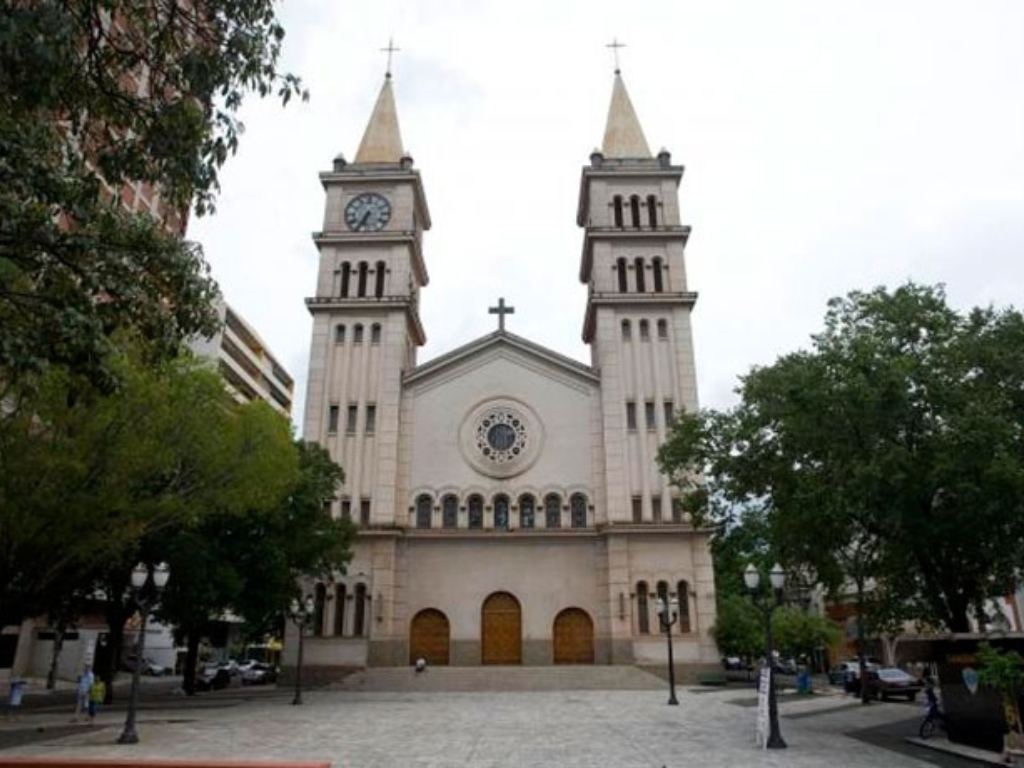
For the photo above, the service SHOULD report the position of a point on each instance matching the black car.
(212, 678)
(259, 674)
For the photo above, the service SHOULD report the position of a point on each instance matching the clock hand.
(362, 221)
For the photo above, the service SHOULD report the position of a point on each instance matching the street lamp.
(668, 615)
(301, 613)
(145, 600)
(767, 606)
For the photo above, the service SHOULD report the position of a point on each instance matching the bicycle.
(935, 717)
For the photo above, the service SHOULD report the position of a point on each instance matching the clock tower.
(366, 323)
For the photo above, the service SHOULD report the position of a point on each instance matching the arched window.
(319, 601)
(656, 268)
(375, 333)
(362, 278)
(638, 267)
(683, 593)
(424, 507)
(450, 511)
(501, 512)
(662, 329)
(617, 204)
(643, 621)
(553, 510)
(359, 623)
(578, 510)
(627, 330)
(526, 511)
(357, 333)
(620, 268)
(339, 610)
(634, 210)
(662, 590)
(378, 272)
(476, 511)
(645, 330)
(346, 274)
(339, 334)
(652, 211)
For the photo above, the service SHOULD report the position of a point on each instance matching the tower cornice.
(636, 300)
(622, 169)
(317, 304)
(367, 173)
(591, 234)
(405, 237)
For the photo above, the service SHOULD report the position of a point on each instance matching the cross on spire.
(501, 310)
(390, 50)
(615, 45)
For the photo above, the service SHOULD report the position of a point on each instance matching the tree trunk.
(116, 617)
(188, 679)
(58, 646)
(862, 664)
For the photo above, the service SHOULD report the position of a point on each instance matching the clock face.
(368, 212)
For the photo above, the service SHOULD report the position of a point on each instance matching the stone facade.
(503, 467)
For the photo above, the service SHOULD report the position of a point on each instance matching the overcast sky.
(828, 146)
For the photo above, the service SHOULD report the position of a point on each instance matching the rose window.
(501, 435)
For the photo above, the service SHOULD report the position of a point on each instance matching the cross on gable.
(501, 310)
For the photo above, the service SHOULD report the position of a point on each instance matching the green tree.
(799, 633)
(1004, 671)
(85, 106)
(738, 630)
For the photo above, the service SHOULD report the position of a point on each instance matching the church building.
(508, 503)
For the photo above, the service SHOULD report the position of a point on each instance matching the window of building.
(669, 413)
(346, 276)
(627, 330)
(649, 415)
(501, 512)
(656, 508)
(677, 510)
(638, 509)
(375, 333)
(350, 419)
(363, 270)
(662, 591)
(645, 330)
(663, 329)
(578, 510)
(620, 269)
(364, 512)
(656, 273)
(339, 609)
(638, 267)
(326, 506)
(617, 207)
(652, 211)
(634, 210)
(553, 511)
(450, 511)
(357, 333)
(643, 621)
(630, 415)
(371, 419)
(379, 272)
(360, 611)
(424, 507)
(346, 509)
(339, 334)
(476, 511)
(332, 419)
(683, 595)
(319, 603)
(526, 511)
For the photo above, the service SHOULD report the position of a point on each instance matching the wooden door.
(573, 637)
(429, 637)
(501, 632)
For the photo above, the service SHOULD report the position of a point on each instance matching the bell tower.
(637, 320)
(366, 323)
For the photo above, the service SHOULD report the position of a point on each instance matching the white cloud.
(828, 146)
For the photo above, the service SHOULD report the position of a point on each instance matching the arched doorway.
(429, 637)
(573, 637)
(501, 630)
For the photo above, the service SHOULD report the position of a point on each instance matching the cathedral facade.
(507, 499)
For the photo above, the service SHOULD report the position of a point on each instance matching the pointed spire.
(382, 141)
(623, 136)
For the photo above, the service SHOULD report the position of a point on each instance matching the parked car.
(149, 667)
(890, 682)
(848, 670)
(259, 674)
(733, 663)
(784, 667)
(212, 677)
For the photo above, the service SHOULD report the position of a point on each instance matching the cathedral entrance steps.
(500, 678)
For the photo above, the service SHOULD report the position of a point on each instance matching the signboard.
(762, 707)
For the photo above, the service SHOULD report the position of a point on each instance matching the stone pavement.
(620, 728)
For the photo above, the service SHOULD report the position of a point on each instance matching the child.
(97, 692)
(85, 681)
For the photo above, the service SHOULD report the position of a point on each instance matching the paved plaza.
(623, 728)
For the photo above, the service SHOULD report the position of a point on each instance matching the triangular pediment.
(502, 344)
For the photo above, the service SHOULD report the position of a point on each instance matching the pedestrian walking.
(97, 692)
(15, 696)
(85, 681)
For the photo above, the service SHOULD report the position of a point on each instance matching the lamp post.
(301, 613)
(668, 615)
(145, 600)
(767, 603)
